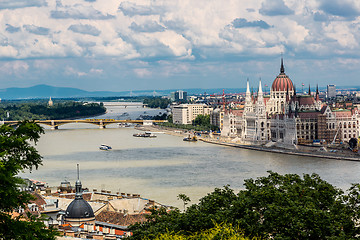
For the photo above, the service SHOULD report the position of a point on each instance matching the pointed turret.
(259, 105)
(248, 102)
(317, 92)
(248, 94)
(309, 90)
(247, 87)
(260, 92)
(282, 69)
(260, 88)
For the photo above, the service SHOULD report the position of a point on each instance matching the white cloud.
(142, 72)
(72, 71)
(96, 71)
(179, 31)
(11, 4)
(14, 68)
(79, 11)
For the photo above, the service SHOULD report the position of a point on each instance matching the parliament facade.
(288, 117)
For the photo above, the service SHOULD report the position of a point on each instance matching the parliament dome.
(282, 82)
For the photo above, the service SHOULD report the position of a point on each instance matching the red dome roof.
(282, 83)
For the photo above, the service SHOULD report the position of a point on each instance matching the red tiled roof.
(119, 218)
(39, 200)
(303, 100)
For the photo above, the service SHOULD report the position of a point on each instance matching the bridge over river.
(102, 123)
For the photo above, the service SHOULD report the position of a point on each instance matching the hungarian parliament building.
(285, 116)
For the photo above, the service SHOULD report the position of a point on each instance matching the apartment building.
(186, 113)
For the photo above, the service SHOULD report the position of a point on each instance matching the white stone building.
(270, 118)
(186, 113)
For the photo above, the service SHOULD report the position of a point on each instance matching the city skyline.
(143, 45)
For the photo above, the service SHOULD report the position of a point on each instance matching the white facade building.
(186, 113)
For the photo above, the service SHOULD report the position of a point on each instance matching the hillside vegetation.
(41, 111)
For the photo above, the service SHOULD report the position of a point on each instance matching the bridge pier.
(102, 126)
(53, 126)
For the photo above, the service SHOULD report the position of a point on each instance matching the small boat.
(190, 139)
(145, 135)
(105, 147)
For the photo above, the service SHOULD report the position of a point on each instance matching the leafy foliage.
(273, 207)
(63, 110)
(201, 123)
(157, 102)
(220, 231)
(16, 154)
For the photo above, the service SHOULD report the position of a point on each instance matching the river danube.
(161, 168)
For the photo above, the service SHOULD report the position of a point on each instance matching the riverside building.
(186, 113)
(284, 116)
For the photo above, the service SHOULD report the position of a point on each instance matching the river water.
(161, 168)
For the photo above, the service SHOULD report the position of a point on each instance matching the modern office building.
(331, 91)
(180, 96)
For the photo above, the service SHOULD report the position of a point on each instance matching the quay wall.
(283, 151)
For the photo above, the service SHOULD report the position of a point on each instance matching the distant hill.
(46, 91)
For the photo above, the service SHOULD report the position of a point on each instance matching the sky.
(117, 45)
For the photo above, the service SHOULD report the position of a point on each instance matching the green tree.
(17, 154)
(184, 198)
(202, 120)
(272, 207)
(220, 231)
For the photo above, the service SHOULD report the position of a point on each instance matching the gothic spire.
(309, 90)
(282, 69)
(247, 86)
(260, 97)
(260, 88)
(317, 92)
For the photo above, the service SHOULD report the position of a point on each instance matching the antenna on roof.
(78, 171)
